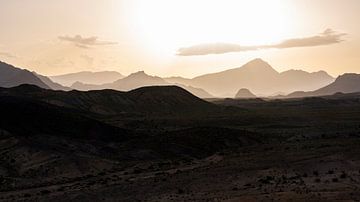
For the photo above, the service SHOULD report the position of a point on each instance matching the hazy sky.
(179, 37)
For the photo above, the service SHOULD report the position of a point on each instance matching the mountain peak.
(139, 73)
(257, 60)
(259, 66)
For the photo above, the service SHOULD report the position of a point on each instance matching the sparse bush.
(335, 180)
(317, 180)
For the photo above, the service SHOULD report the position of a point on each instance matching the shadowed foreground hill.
(145, 100)
(26, 117)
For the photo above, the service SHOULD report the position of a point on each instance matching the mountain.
(88, 77)
(137, 80)
(252, 76)
(308, 81)
(145, 100)
(11, 76)
(244, 93)
(133, 81)
(259, 77)
(346, 83)
(50, 83)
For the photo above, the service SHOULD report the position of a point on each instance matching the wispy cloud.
(326, 38)
(85, 42)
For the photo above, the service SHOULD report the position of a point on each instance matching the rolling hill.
(145, 100)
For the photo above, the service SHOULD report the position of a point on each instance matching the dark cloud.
(326, 38)
(85, 42)
(6, 54)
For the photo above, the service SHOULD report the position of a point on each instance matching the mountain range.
(256, 76)
(259, 77)
(137, 80)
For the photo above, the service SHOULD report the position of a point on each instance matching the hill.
(145, 100)
(27, 117)
(244, 93)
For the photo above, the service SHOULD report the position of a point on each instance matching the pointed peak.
(258, 65)
(258, 61)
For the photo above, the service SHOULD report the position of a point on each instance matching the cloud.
(85, 42)
(6, 54)
(326, 38)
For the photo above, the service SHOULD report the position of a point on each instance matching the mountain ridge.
(88, 77)
(346, 83)
(258, 76)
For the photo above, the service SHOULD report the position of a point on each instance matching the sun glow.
(164, 25)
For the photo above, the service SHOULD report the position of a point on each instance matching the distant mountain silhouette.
(244, 93)
(88, 77)
(298, 79)
(257, 76)
(137, 80)
(50, 83)
(347, 83)
(11, 76)
(152, 100)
